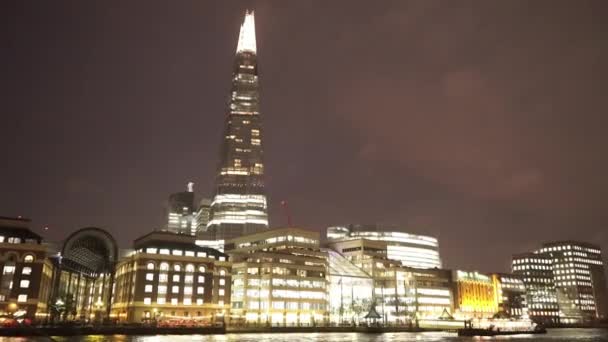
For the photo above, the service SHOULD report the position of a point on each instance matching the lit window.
(22, 298)
(149, 276)
(176, 277)
(188, 279)
(150, 266)
(201, 279)
(162, 289)
(147, 301)
(201, 269)
(24, 284)
(222, 258)
(26, 270)
(201, 254)
(221, 292)
(163, 278)
(177, 267)
(222, 282)
(148, 288)
(177, 252)
(160, 300)
(200, 290)
(222, 272)
(188, 290)
(189, 268)
(151, 250)
(164, 266)
(187, 301)
(164, 251)
(220, 302)
(28, 258)
(173, 301)
(175, 289)
(199, 301)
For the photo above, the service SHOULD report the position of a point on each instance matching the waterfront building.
(26, 273)
(372, 241)
(279, 278)
(350, 291)
(536, 271)
(580, 280)
(510, 292)
(239, 206)
(169, 279)
(180, 212)
(474, 295)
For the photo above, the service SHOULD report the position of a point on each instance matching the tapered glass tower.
(239, 206)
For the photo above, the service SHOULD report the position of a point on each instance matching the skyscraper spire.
(247, 34)
(239, 206)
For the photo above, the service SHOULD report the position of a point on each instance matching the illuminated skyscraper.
(239, 205)
(180, 212)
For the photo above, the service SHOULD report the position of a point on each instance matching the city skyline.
(483, 145)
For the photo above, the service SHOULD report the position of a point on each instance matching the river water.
(562, 335)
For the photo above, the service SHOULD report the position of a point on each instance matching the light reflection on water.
(561, 335)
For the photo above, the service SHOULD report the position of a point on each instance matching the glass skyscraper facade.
(239, 206)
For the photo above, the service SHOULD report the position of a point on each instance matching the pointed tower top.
(247, 35)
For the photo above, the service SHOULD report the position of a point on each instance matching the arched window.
(177, 267)
(222, 272)
(189, 268)
(28, 258)
(164, 266)
(150, 266)
(201, 269)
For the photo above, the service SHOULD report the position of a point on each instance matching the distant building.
(371, 241)
(168, 279)
(239, 206)
(474, 295)
(536, 271)
(26, 273)
(201, 216)
(181, 212)
(279, 278)
(580, 280)
(510, 292)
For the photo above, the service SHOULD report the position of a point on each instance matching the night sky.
(482, 123)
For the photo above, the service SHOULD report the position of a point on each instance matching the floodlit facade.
(350, 291)
(180, 212)
(239, 206)
(279, 278)
(25, 281)
(169, 280)
(510, 292)
(580, 280)
(474, 295)
(536, 271)
(371, 241)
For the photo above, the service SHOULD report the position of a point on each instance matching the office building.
(474, 295)
(201, 216)
(239, 206)
(536, 271)
(580, 280)
(170, 280)
(279, 278)
(181, 213)
(26, 273)
(373, 241)
(510, 292)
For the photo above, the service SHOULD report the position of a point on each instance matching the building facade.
(474, 295)
(580, 280)
(510, 292)
(536, 271)
(279, 278)
(373, 241)
(170, 280)
(25, 281)
(181, 213)
(239, 206)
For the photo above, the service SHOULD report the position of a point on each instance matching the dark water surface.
(562, 335)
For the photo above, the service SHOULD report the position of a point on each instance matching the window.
(201, 254)
(187, 301)
(190, 253)
(201, 279)
(199, 301)
(177, 267)
(222, 282)
(148, 288)
(163, 278)
(189, 268)
(162, 289)
(147, 301)
(22, 298)
(176, 278)
(188, 290)
(177, 252)
(222, 258)
(151, 250)
(164, 266)
(222, 272)
(201, 269)
(24, 284)
(149, 276)
(173, 301)
(200, 290)
(188, 279)
(26, 270)
(160, 300)
(150, 266)
(175, 289)
(221, 292)
(220, 302)
(28, 258)
(164, 251)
